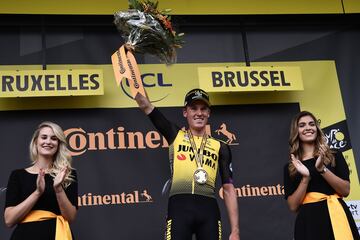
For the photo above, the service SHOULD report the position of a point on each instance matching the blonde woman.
(41, 200)
(315, 180)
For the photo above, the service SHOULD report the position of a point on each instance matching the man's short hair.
(196, 94)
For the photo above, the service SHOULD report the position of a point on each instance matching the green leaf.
(134, 4)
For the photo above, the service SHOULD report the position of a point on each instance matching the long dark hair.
(295, 143)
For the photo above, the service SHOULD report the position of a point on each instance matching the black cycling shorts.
(190, 214)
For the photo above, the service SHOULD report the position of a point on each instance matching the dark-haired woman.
(316, 179)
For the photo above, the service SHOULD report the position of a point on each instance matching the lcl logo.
(149, 80)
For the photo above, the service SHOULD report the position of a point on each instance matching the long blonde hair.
(62, 158)
(320, 141)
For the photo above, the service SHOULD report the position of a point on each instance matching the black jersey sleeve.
(168, 129)
(225, 163)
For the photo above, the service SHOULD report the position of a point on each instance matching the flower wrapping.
(146, 30)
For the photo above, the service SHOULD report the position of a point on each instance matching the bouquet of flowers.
(147, 30)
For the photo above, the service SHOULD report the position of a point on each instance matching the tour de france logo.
(336, 139)
(229, 136)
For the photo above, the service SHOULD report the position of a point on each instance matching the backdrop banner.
(122, 161)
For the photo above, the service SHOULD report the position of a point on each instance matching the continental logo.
(134, 197)
(224, 79)
(51, 83)
(121, 64)
(117, 139)
(80, 141)
(228, 136)
(256, 191)
(149, 80)
(337, 136)
(133, 76)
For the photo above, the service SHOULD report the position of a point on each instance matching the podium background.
(261, 128)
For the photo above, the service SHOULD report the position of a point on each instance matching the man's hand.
(234, 236)
(144, 103)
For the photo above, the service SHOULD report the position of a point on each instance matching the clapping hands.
(300, 167)
(58, 180)
(40, 181)
(319, 164)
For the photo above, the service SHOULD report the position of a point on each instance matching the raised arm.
(144, 103)
(162, 124)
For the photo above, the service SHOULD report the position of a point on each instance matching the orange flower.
(167, 24)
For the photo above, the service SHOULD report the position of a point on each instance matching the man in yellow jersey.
(195, 159)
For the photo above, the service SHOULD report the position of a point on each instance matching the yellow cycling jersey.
(183, 165)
